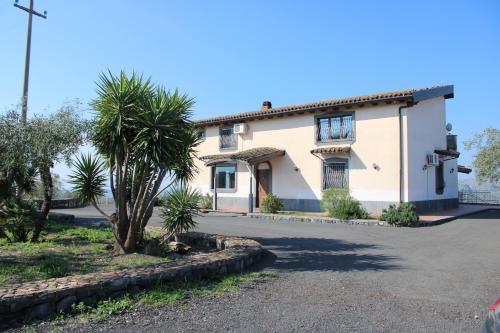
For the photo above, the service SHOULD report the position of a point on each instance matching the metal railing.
(479, 197)
(333, 129)
(227, 141)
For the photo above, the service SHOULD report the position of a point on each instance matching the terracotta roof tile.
(407, 95)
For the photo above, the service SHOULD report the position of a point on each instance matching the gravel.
(342, 278)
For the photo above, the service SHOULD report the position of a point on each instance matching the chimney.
(266, 105)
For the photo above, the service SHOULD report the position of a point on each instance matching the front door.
(263, 184)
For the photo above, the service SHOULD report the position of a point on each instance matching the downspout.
(250, 193)
(401, 149)
(214, 203)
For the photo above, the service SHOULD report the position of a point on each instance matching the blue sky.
(232, 55)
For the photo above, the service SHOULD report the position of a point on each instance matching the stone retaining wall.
(313, 219)
(40, 299)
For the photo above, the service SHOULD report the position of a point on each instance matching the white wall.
(376, 143)
(426, 131)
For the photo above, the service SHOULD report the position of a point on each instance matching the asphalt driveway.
(347, 278)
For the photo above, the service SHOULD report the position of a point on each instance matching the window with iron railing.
(335, 174)
(227, 138)
(335, 128)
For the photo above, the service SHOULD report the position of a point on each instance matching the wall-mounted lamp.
(376, 166)
(452, 170)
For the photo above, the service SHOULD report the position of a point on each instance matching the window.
(335, 128)
(227, 137)
(335, 174)
(225, 176)
(201, 134)
(440, 178)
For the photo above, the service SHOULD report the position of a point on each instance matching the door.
(263, 185)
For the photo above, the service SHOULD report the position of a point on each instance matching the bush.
(271, 204)
(178, 210)
(402, 215)
(339, 204)
(206, 201)
(17, 219)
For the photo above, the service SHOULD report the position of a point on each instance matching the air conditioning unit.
(433, 159)
(240, 128)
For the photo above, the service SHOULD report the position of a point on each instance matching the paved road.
(343, 278)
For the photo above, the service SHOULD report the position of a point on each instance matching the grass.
(63, 245)
(165, 294)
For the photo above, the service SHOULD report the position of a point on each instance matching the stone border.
(39, 299)
(315, 219)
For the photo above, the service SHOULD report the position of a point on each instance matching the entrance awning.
(250, 156)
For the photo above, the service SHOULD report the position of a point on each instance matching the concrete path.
(347, 278)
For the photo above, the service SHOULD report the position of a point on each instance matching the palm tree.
(145, 135)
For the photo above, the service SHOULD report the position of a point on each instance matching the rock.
(179, 247)
(118, 284)
(65, 304)
(42, 311)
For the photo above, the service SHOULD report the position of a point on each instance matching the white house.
(385, 148)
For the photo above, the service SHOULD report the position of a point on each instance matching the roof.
(408, 96)
(250, 156)
(447, 152)
(331, 150)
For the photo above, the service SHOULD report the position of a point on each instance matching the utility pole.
(30, 12)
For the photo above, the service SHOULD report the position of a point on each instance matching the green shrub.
(271, 204)
(159, 201)
(178, 210)
(339, 204)
(206, 201)
(17, 219)
(402, 215)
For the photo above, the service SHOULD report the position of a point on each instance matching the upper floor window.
(335, 173)
(201, 134)
(335, 128)
(227, 137)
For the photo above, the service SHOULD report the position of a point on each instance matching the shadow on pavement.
(316, 254)
(493, 214)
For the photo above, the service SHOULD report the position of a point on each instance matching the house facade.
(384, 148)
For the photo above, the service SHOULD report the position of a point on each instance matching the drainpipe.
(401, 149)
(214, 203)
(250, 194)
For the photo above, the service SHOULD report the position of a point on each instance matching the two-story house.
(384, 148)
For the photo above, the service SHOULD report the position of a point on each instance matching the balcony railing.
(227, 141)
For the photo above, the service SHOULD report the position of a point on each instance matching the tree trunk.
(47, 184)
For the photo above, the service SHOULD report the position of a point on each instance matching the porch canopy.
(250, 156)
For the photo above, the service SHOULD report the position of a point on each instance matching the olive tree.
(144, 134)
(29, 150)
(487, 160)
(53, 139)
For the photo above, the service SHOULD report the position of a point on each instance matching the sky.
(232, 55)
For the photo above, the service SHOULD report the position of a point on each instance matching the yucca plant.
(89, 179)
(178, 210)
(144, 133)
(17, 219)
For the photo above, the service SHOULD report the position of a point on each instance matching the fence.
(479, 197)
